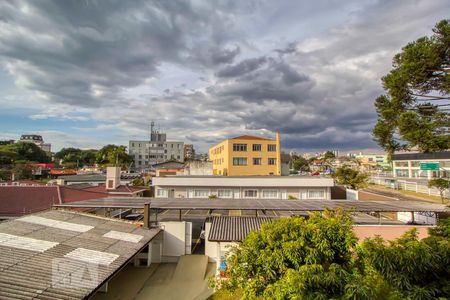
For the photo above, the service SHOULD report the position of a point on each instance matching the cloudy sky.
(87, 73)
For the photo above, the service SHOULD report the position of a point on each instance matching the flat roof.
(419, 156)
(234, 229)
(258, 204)
(48, 255)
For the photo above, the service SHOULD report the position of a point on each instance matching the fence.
(408, 186)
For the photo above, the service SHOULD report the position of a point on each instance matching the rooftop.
(251, 137)
(418, 156)
(259, 204)
(31, 246)
(234, 229)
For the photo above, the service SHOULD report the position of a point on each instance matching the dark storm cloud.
(245, 75)
(84, 52)
(243, 67)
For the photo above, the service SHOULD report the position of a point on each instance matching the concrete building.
(416, 165)
(154, 151)
(188, 151)
(37, 140)
(251, 187)
(247, 156)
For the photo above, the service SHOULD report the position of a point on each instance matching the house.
(22, 198)
(249, 187)
(247, 156)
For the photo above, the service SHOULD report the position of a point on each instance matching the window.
(316, 194)
(257, 160)
(271, 148)
(256, 147)
(224, 194)
(201, 193)
(250, 193)
(271, 194)
(272, 161)
(401, 164)
(162, 193)
(132, 144)
(239, 161)
(415, 164)
(239, 147)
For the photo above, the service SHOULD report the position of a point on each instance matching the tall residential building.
(247, 156)
(188, 151)
(155, 151)
(37, 140)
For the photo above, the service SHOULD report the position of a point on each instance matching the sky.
(90, 73)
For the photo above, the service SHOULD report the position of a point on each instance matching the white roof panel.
(92, 256)
(25, 243)
(127, 237)
(56, 223)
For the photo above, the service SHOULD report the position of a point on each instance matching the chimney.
(112, 178)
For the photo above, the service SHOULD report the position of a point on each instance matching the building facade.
(408, 165)
(155, 151)
(247, 156)
(188, 151)
(37, 140)
(373, 160)
(251, 187)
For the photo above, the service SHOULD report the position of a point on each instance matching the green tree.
(26, 151)
(441, 184)
(413, 113)
(294, 258)
(351, 178)
(329, 155)
(111, 155)
(413, 268)
(72, 157)
(138, 181)
(300, 164)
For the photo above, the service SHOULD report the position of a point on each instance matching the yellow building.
(247, 156)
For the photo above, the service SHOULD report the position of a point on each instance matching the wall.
(338, 192)
(214, 250)
(198, 168)
(223, 158)
(352, 194)
(238, 192)
(177, 240)
(387, 232)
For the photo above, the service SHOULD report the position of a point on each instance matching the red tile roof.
(16, 201)
(250, 137)
(20, 200)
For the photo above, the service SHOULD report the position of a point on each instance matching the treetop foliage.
(318, 258)
(414, 112)
(351, 178)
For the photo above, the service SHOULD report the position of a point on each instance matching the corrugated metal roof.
(29, 272)
(234, 229)
(259, 204)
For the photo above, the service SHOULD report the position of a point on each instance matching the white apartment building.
(154, 151)
(247, 187)
(37, 140)
(408, 165)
